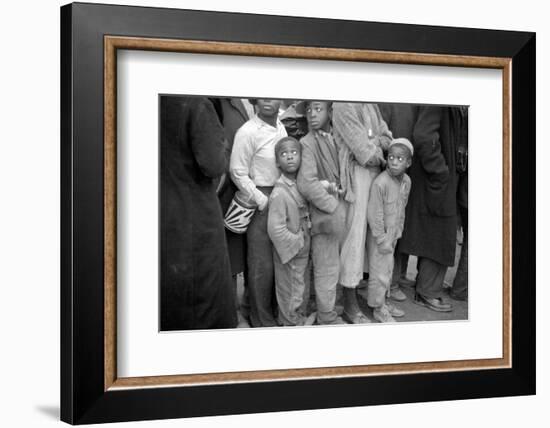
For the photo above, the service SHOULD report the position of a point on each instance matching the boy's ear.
(409, 162)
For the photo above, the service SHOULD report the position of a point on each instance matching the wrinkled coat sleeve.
(286, 243)
(310, 186)
(385, 137)
(207, 140)
(427, 146)
(375, 213)
(354, 133)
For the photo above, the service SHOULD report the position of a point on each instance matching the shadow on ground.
(50, 411)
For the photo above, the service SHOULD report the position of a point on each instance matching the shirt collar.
(260, 123)
(287, 181)
(398, 180)
(324, 133)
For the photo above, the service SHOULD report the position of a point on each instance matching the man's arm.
(239, 167)
(427, 147)
(207, 140)
(351, 127)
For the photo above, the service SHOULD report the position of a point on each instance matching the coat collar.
(238, 104)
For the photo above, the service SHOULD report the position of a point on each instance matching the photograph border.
(114, 43)
(91, 391)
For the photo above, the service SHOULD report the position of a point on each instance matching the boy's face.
(289, 156)
(318, 114)
(399, 159)
(268, 108)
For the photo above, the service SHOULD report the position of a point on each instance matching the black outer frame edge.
(83, 339)
(524, 212)
(293, 30)
(66, 305)
(166, 403)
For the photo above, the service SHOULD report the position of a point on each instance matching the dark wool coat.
(232, 115)
(196, 286)
(431, 221)
(400, 118)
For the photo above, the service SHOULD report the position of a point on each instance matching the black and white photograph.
(305, 213)
(257, 214)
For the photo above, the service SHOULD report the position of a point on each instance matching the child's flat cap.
(403, 142)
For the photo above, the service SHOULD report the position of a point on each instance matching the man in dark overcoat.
(459, 290)
(232, 114)
(431, 216)
(196, 289)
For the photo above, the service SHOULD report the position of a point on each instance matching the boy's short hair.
(284, 139)
(301, 107)
(402, 142)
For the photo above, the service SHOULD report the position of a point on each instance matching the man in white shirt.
(254, 172)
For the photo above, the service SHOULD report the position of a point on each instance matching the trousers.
(380, 273)
(260, 276)
(325, 250)
(290, 285)
(460, 283)
(429, 281)
(352, 256)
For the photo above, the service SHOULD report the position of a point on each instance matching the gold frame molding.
(113, 43)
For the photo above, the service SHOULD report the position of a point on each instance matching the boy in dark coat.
(196, 289)
(319, 181)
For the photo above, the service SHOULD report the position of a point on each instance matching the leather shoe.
(397, 295)
(395, 311)
(435, 304)
(459, 297)
(382, 314)
(357, 318)
(406, 282)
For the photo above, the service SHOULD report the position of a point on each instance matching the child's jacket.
(386, 207)
(288, 219)
(320, 162)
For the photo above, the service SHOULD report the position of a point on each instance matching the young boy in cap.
(319, 182)
(288, 227)
(386, 216)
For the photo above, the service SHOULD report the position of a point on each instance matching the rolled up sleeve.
(239, 168)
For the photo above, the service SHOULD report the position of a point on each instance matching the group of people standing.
(343, 194)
